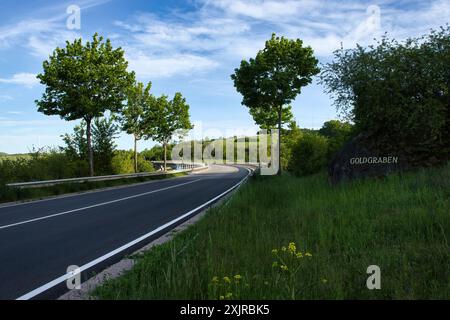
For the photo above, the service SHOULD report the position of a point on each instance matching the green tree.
(75, 143)
(83, 81)
(104, 132)
(273, 79)
(309, 154)
(337, 133)
(290, 137)
(132, 116)
(166, 117)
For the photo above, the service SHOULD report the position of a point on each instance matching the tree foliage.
(309, 154)
(396, 92)
(337, 133)
(166, 118)
(272, 80)
(104, 134)
(76, 143)
(132, 117)
(82, 81)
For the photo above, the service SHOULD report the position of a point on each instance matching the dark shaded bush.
(309, 154)
(337, 133)
(398, 93)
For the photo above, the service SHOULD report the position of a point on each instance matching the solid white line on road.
(95, 205)
(85, 267)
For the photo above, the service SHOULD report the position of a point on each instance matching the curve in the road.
(39, 240)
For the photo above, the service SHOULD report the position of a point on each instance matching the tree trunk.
(279, 140)
(165, 156)
(135, 155)
(90, 151)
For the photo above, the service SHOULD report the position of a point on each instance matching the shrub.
(122, 162)
(47, 165)
(309, 154)
(398, 93)
(337, 133)
(144, 165)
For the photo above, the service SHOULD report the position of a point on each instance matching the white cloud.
(4, 98)
(265, 9)
(14, 112)
(42, 45)
(149, 67)
(26, 79)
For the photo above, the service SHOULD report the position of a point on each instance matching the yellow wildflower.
(227, 279)
(284, 268)
(292, 247)
(229, 295)
(221, 298)
(324, 280)
(283, 249)
(299, 255)
(237, 277)
(274, 264)
(215, 279)
(274, 251)
(307, 254)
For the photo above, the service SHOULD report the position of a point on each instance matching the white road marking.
(81, 193)
(95, 205)
(85, 267)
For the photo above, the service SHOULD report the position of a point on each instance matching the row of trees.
(84, 81)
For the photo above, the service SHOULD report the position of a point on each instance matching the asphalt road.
(40, 239)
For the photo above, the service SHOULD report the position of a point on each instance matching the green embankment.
(400, 223)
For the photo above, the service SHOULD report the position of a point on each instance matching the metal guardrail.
(33, 184)
(179, 165)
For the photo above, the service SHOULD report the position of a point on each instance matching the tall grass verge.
(400, 223)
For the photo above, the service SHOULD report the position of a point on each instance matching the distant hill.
(4, 155)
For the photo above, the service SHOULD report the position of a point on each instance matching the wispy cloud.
(42, 35)
(149, 67)
(5, 97)
(222, 31)
(26, 79)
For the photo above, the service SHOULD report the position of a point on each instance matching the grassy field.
(15, 194)
(401, 224)
(4, 156)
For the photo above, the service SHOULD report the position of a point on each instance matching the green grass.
(401, 224)
(8, 194)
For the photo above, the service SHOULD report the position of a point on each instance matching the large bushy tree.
(83, 80)
(397, 93)
(273, 79)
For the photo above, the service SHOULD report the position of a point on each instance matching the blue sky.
(188, 46)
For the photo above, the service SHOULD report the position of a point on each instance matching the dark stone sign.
(357, 160)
